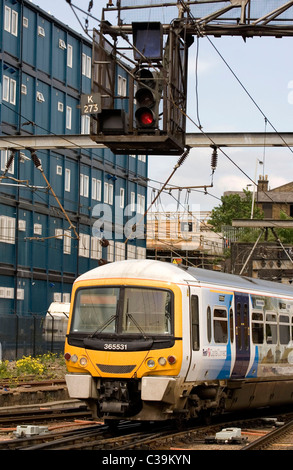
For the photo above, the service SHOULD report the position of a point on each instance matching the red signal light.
(146, 118)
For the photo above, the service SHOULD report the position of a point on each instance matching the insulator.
(10, 160)
(35, 159)
(183, 157)
(104, 242)
(214, 160)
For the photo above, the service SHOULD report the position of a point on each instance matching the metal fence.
(30, 336)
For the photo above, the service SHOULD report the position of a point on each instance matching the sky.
(262, 97)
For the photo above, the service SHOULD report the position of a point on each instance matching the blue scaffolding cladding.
(44, 68)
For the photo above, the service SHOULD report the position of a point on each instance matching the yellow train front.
(124, 342)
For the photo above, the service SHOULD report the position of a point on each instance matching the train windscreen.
(122, 310)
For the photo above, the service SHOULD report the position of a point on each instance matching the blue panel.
(28, 101)
(29, 37)
(74, 72)
(40, 244)
(43, 107)
(59, 51)
(58, 112)
(44, 49)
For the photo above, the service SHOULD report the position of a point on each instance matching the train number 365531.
(115, 346)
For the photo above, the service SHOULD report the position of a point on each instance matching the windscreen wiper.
(136, 324)
(103, 326)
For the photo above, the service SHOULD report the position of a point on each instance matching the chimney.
(263, 183)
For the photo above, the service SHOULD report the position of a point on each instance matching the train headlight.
(151, 363)
(74, 358)
(162, 361)
(83, 361)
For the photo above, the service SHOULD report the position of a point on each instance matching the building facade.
(44, 68)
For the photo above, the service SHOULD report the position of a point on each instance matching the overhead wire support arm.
(38, 165)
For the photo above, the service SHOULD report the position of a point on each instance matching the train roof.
(163, 271)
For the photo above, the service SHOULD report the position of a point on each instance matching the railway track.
(278, 439)
(126, 436)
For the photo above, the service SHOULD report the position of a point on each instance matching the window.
(143, 311)
(194, 323)
(84, 185)
(62, 44)
(110, 251)
(59, 170)
(140, 252)
(140, 204)
(271, 328)
(119, 251)
(41, 31)
(25, 22)
(5, 156)
(9, 90)
(96, 249)
(7, 19)
(257, 327)
(284, 329)
(96, 189)
(86, 65)
(84, 245)
(38, 229)
(60, 106)
(220, 325)
(142, 158)
(85, 124)
(132, 201)
(67, 242)
(231, 325)
(122, 193)
(108, 193)
(67, 179)
(10, 21)
(69, 55)
(40, 97)
(68, 117)
(121, 86)
(7, 229)
(209, 324)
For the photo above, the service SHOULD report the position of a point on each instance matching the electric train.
(149, 340)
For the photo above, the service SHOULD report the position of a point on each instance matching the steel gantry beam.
(220, 139)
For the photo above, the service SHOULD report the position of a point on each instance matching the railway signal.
(147, 100)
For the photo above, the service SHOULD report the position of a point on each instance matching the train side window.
(238, 326)
(231, 325)
(246, 329)
(220, 325)
(271, 328)
(209, 324)
(194, 323)
(257, 328)
(284, 329)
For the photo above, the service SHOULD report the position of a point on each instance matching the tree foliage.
(233, 206)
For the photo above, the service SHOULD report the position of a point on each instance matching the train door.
(194, 332)
(242, 335)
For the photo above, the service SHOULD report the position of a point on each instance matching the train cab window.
(220, 325)
(209, 324)
(194, 323)
(284, 329)
(257, 327)
(147, 310)
(271, 328)
(95, 309)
